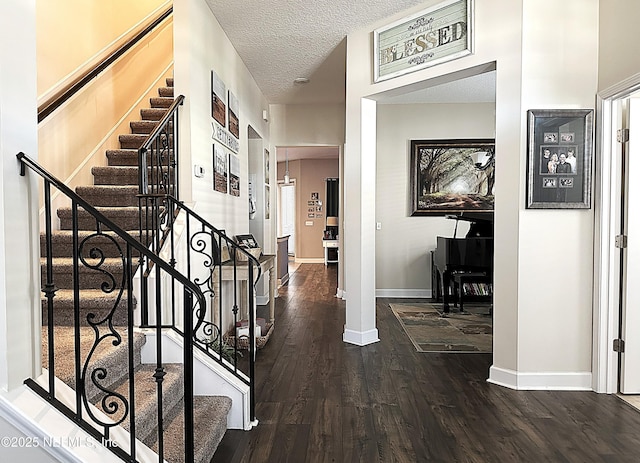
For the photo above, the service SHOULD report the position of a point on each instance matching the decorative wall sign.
(234, 175)
(223, 136)
(220, 168)
(438, 34)
(218, 100)
(234, 111)
(560, 150)
(452, 176)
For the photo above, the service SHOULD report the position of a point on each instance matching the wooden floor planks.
(321, 400)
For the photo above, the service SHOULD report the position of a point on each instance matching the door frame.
(607, 205)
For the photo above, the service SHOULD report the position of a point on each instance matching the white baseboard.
(283, 280)
(360, 338)
(540, 381)
(408, 293)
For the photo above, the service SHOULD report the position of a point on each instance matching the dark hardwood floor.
(321, 400)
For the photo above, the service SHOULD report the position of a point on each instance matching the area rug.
(429, 331)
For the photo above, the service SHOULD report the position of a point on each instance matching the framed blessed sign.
(438, 34)
(560, 151)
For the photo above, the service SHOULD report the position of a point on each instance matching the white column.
(359, 245)
(19, 272)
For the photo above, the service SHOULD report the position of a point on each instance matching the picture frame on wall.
(451, 176)
(218, 100)
(559, 158)
(220, 168)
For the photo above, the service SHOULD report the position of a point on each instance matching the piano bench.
(460, 278)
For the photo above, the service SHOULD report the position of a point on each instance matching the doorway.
(616, 354)
(287, 213)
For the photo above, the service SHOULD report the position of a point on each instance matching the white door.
(287, 215)
(630, 312)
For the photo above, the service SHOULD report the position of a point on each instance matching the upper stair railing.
(200, 251)
(104, 260)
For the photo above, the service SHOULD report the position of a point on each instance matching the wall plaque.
(438, 34)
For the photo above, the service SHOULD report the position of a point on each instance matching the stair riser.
(89, 223)
(135, 141)
(120, 158)
(62, 245)
(63, 311)
(153, 114)
(166, 91)
(89, 279)
(145, 127)
(99, 198)
(161, 102)
(105, 176)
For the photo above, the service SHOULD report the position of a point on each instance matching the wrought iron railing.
(109, 265)
(205, 254)
(209, 258)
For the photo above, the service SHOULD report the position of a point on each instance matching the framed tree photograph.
(559, 158)
(449, 176)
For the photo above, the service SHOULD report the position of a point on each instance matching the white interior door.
(287, 216)
(630, 315)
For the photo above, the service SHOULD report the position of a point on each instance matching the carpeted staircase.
(114, 194)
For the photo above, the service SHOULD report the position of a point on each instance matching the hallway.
(321, 400)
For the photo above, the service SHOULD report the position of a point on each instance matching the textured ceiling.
(279, 40)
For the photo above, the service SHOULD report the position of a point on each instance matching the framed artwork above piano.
(451, 176)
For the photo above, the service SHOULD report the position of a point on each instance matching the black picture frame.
(451, 176)
(247, 241)
(559, 158)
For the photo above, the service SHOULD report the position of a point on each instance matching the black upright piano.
(473, 253)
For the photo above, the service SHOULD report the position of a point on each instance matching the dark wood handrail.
(72, 88)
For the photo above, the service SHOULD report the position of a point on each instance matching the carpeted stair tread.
(210, 424)
(153, 114)
(169, 81)
(62, 242)
(109, 195)
(166, 91)
(142, 127)
(146, 397)
(132, 140)
(161, 102)
(113, 358)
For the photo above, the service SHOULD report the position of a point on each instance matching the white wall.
(565, 76)
(534, 69)
(200, 46)
(617, 55)
(307, 125)
(403, 244)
